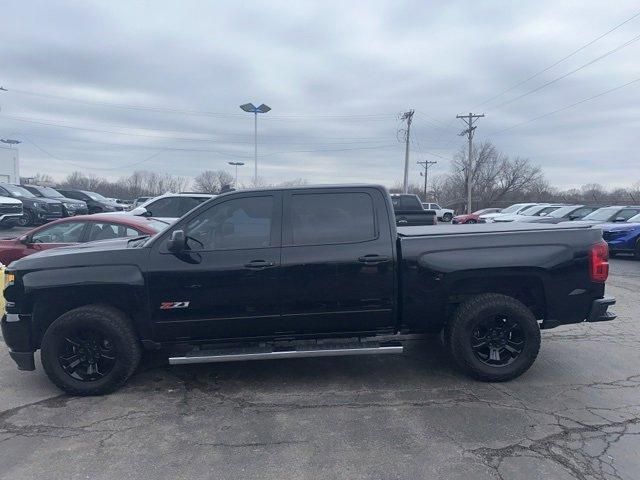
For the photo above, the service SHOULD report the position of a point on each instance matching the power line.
(588, 44)
(210, 140)
(408, 117)
(292, 116)
(426, 164)
(610, 52)
(567, 107)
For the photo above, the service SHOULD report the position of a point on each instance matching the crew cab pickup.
(409, 211)
(296, 272)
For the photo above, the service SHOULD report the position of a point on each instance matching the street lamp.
(251, 108)
(236, 164)
(10, 141)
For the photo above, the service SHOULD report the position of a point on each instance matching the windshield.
(562, 211)
(602, 214)
(50, 192)
(158, 225)
(16, 191)
(95, 196)
(513, 208)
(532, 210)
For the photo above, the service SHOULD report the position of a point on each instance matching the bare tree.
(212, 181)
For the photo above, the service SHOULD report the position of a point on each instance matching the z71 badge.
(172, 305)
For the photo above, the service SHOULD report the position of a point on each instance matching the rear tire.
(447, 217)
(493, 337)
(91, 350)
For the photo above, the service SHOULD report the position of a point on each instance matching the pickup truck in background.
(299, 272)
(409, 211)
(444, 214)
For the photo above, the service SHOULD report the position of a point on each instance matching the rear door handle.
(258, 264)
(373, 259)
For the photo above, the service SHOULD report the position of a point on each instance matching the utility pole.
(469, 120)
(426, 164)
(408, 116)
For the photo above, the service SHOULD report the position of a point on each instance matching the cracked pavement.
(574, 415)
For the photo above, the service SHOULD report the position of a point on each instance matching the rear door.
(337, 262)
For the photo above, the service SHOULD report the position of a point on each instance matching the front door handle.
(258, 264)
(373, 259)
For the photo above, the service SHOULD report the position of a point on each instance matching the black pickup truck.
(409, 211)
(295, 272)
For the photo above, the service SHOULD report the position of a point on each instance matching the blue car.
(623, 237)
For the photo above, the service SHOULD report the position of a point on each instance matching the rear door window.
(328, 218)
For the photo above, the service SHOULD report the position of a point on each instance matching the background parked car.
(80, 229)
(613, 214)
(511, 209)
(35, 210)
(170, 205)
(70, 206)
(623, 237)
(95, 202)
(444, 214)
(475, 216)
(10, 212)
(532, 212)
(563, 214)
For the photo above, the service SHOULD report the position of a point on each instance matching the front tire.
(493, 337)
(471, 221)
(91, 350)
(27, 219)
(636, 252)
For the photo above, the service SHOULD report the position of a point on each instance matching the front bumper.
(16, 331)
(599, 313)
(68, 212)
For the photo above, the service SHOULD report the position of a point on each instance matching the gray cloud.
(336, 75)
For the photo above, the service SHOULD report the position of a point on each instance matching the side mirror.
(141, 212)
(574, 217)
(25, 240)
(177, 241)
(620, 219)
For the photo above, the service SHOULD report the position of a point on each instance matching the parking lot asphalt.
(574, 415)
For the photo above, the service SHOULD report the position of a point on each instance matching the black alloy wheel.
(497, 340)
(471, 221)
(447, 217)
(86, 355)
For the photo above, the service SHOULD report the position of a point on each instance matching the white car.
(527, 214)
(510, 210)
(444, 214)
(170, 205)
(10, 212)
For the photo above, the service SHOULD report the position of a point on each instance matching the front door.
(337, 262)
(226, 284)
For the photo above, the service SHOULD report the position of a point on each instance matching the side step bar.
(211, 357)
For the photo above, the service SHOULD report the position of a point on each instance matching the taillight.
(599, 262)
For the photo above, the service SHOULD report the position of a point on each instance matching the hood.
(9, 201)
(619, 227)
(46, 200)
(86, 254)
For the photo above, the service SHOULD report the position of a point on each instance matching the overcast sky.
(111, 87)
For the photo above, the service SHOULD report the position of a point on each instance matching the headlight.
(109, 208)
(38, 205)
(70, 206)
(9, 277)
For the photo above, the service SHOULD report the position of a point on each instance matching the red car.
(475, 216)
(80, 229)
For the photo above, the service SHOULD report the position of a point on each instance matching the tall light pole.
(236, 164)
(251, 108)
(9, 141)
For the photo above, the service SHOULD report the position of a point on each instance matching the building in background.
(9, 165)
